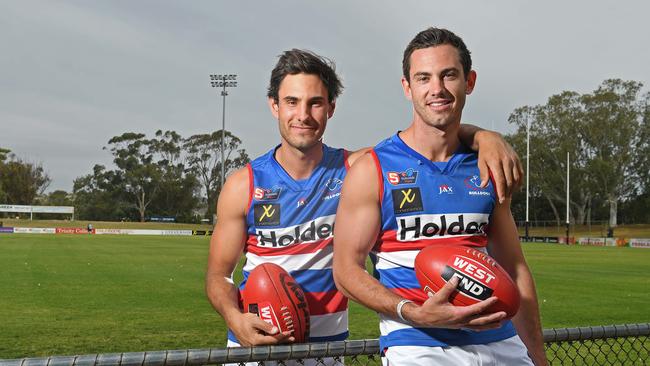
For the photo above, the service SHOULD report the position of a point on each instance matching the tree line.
(166, 175)
(607, 136)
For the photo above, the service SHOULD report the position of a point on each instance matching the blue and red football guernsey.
(425, 203)
(291, 223)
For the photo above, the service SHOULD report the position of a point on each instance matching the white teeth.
(438, 104)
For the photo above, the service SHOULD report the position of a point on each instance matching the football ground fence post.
(598, 345)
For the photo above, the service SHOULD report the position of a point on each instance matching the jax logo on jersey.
(445, 188)
(318, 229)
(473, 183)
(409, 176)
(267, 194)
(417, 227)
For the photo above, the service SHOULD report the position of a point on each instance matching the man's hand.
(497, 157)
(438, 312)
(250, 330)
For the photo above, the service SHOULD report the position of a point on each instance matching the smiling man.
(270, 210)
(395, 218)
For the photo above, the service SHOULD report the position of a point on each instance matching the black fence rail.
(599, 345)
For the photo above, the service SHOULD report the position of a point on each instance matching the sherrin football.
(277, 298)
(480, 277)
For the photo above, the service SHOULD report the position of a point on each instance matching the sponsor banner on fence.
(73, 230)
(162, 219)
(202, 232)
(141, 232)
(640, 243)
(600, 242)
(34, 230)
(562, 240)
(540, 239)
(6, 230)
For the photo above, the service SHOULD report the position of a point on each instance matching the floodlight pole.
(224, 81)
(527, 225)
(567, 198)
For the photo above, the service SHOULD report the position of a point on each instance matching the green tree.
(612, 122)
(3, 156)
(176, 193)
(135, 162)
(604, 136)
(100, 195)
(21, 182)
(204, 159)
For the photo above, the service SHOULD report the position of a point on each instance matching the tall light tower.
(527, 169)
(223, 81)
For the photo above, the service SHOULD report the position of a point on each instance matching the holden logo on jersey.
(409, 176)
(444, 188)
(418, 227)
(318, 229)
(474, 185)
(267, 194)
(267, 214)
(407, 200)
(301, 202)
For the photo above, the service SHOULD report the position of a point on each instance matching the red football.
(480, 277)
(277, 298)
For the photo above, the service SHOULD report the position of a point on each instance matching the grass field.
(66, 294)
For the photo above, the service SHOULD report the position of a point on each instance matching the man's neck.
(299, 164)
(433, 143)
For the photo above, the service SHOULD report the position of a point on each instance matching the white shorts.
(507, 352)
(328, 361)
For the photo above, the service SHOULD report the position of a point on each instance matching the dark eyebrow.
(290, 99)
(447, 70)
(317, 99)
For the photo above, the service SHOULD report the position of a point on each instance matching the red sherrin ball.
(277, 298)
(480, 277)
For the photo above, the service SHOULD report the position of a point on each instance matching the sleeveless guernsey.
(291, 223)
(423, 204)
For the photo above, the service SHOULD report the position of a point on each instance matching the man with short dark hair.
(291, 189)
(395, 218)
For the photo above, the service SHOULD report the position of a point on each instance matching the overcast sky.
(73, 74)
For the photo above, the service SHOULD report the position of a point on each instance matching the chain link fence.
(601, 345)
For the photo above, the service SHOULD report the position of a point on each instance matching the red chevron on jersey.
(304, 248)
(326, 302)
(389, 242)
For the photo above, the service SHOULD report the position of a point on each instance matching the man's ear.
(330, 113)
(407, 88)
(273, 106)
(471, 82)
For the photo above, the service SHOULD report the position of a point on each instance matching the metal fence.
(601, 345)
